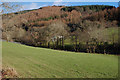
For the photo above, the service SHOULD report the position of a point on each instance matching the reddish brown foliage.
(9, 73)
(110, 14)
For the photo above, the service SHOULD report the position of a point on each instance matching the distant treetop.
(87, 7)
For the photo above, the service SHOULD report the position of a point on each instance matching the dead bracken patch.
(9, 73)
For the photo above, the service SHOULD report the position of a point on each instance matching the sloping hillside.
(33, 62)
(79, 24)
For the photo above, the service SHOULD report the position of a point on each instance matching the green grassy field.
(31, 62)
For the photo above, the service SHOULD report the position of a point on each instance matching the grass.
(31, 62)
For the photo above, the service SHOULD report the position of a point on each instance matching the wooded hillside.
(75, 28)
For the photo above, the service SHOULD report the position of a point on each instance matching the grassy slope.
(40, 62)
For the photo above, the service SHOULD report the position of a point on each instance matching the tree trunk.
(94, 48)
(79, 47)
(113, 39)
(104, 51)
(48, 44)
(40, 44)
(87, 50)
(76, 43)
(53, 45)
(87, 47)
(90, 50)
(62, 42)
(57, 42)
(104, 48)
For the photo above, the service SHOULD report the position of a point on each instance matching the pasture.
(34, 62)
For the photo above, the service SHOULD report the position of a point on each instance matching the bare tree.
(9, 7)
(56, 32)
